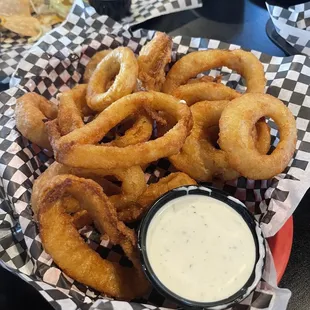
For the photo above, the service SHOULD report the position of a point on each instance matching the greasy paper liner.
(293, 24)
(13, 47)
(57, 63)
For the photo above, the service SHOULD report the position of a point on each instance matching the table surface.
(240, 22)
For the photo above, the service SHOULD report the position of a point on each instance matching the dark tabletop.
(240, 22)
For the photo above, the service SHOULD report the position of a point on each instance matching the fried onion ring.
(195, 92)
(30, 112)
(154, 191)
(73, 108)
(140, 131)
(93, 63)
(206, 79)
(199, 158)
(71, 149)
(133, 184)
(120, 62)
(245, 63)
(235, 127)
(69, 251)
(153, 59)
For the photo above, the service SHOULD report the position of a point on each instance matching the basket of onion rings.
(97, 131)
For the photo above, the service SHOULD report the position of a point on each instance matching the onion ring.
(235, 125)
(245, 63)
(153, 59)
(73, 108)
(80, 218)
(206, 79)
(30, 112)
(79, 96)
(69, 251)
(198, 157)
(71, 149)
(133, 184)
(195, 92)
(140, 131)
(120, 62)
(135, 211)
(93, 63)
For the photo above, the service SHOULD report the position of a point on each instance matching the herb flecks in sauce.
(200, 248)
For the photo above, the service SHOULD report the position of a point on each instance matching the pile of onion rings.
(128, 114)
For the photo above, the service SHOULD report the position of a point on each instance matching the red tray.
(281, 246)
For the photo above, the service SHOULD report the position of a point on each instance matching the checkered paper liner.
(12, 50)
(13, 47)
(55, 64)
(293, 24)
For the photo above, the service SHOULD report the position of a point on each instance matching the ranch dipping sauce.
(200, 248)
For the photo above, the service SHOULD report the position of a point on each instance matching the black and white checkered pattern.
(12, 50)
(14, 47)
(143, 10)
(56, 63)
(293, 24)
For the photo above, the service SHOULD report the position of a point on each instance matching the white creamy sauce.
(200, 248)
